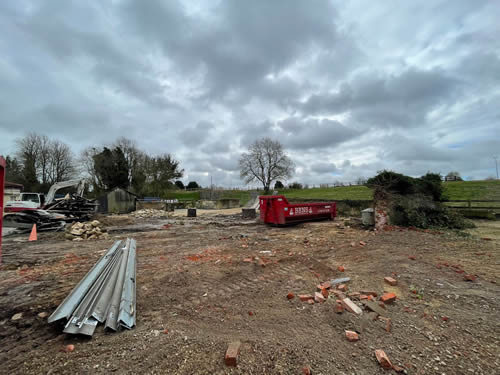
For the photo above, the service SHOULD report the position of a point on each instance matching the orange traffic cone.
(33, 233)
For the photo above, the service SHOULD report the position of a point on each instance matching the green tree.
(278, 185)
(193, 185)
(111, 168)
(179, 184)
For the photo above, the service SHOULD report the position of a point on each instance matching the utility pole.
(496, 164)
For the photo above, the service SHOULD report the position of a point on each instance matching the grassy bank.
(456, 190)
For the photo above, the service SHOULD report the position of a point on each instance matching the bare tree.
(60, 165)
(132, 154)
(266, 162)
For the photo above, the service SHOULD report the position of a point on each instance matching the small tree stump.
(191, 212)
(248, 213)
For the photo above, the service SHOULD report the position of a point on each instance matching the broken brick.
(311, 302)
(383, 359)
(363, 296)
(362, 243)
(341, 268)
(388, 323)
(338, 294)
(324, 292)
(232, 352)
(412, 257)
(353, 295)
(305, 297)
(306, 370)
(342, 287)
(318, 297)
(351, 306)
(391, 281)
(388, 298)
(250, 313)
(469, 277)
(248, 260)
(290, 295)
(445, 318)
(351, 336)
(369, 292)
(339, 309)
(69, 348)
(381, 304)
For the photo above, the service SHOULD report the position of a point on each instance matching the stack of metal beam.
(105, 295)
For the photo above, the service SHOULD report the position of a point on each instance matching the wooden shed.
(117, 201)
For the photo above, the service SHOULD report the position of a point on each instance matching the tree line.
(39, 162)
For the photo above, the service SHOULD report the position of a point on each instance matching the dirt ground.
(196, 294)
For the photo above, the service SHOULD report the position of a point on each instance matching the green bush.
(419, 211)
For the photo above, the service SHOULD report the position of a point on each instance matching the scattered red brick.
(391, 281)
(339, 309)
(369, 292)
(354, 295)
(469, 277)
(311, 302)
(353, 244)
(165, 331)
(445, 318)
(363, 296)
(324, 292)
(351, 336)
(362, 243)
(250, 313)
(388, 323)
(232, 352)
(459, 271)
(326, 285)
(381, 304)
(338, 294)
(370, 297)
(388, 298)
(306, 370)
(290, 295)
(305, 297)
(342, 287)
(341, 268)
(318, 297)
(69, 348)
(412, 257)
(383, 359)
(248, 260)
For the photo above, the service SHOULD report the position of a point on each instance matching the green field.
(455, 190)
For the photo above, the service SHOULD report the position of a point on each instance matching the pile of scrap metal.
(105, 295)
(73, 206)
(56, 212)
(24, 220)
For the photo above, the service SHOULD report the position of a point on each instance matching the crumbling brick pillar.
(381, 213)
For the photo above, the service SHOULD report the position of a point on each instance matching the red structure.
(2, 185)
(275, 209)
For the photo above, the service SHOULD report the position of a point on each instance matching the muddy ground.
(196, 293)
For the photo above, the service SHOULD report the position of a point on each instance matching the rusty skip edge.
(107, 294)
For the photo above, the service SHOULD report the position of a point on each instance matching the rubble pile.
(149, 213)
(86, 231)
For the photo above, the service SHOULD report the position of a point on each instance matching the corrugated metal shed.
(117, 201)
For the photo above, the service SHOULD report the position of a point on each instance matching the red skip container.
(275, 209)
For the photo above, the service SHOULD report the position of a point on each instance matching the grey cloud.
(196, 135)
(402, 100)
(324, 168)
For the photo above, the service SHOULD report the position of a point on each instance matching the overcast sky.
(348, 87)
